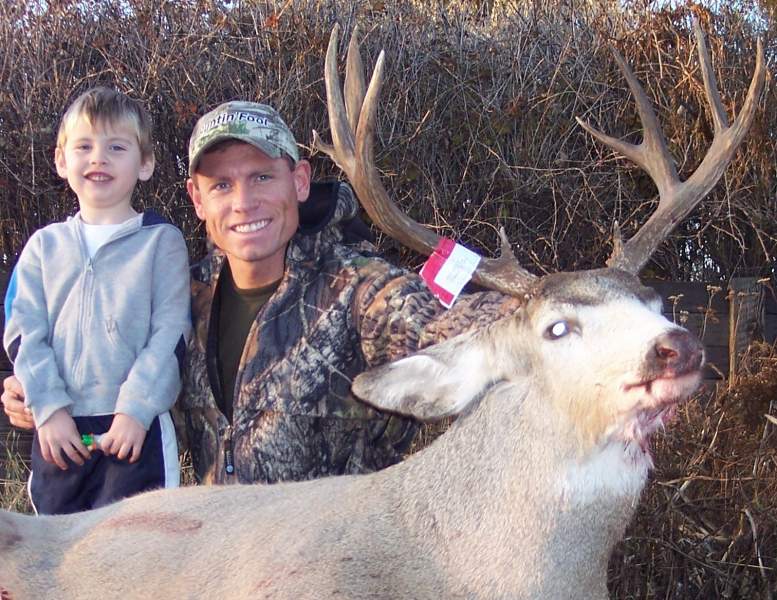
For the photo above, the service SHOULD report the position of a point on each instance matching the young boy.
(97, 316)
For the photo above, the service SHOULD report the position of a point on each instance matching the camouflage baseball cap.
(257, 124)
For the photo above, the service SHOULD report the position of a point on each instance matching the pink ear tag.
(448, 270)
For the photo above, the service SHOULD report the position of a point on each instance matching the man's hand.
(13, 404)
(59, 434)
(124, 438)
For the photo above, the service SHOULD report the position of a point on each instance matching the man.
(286, 313)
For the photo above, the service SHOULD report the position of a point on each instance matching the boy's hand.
(13, 404)
(59, 434)
(124, 438)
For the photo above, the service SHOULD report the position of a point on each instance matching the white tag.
(457, 270)
(448, 270)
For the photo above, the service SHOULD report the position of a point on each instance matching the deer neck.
(553, 492)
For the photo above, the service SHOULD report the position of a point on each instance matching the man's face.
(250, 205)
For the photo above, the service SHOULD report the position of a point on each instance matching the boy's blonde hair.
(103, 106)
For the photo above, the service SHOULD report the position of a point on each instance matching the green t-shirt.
(237, 312)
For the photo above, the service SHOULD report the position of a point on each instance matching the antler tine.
(652, 155)
(354, 155)
(677, 199)
(367, 183)
(719, 117)
(342, 134)
(354, 80)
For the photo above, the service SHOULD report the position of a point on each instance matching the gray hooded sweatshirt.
(100, 335)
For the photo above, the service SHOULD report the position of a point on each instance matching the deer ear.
(434, 383)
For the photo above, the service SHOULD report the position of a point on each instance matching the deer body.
(523, 497)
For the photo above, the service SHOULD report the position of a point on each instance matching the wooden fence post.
(745, 319)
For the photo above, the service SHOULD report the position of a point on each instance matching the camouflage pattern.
(337, 311)
(257, 124)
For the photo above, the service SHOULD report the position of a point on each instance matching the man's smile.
(251, 227)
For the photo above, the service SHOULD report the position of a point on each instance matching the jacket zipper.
(229, 465)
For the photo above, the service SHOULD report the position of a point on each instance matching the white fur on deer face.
(613, 363)
(593, 345)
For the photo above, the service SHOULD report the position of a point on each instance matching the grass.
(14, 470)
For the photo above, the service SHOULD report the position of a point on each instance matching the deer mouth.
(655, 406)
(668, 388)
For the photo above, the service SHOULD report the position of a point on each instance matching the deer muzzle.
(674, 353)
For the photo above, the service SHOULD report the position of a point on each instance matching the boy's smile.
(99, 177)
(102, 164)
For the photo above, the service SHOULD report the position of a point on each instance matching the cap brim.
(268, 148)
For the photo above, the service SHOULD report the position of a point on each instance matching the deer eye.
(558, 330)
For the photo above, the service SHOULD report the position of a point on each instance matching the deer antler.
(677, 198)
(352, 122)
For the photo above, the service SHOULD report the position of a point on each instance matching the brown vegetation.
(477, 114)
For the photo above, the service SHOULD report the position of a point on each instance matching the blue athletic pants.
(101, 479)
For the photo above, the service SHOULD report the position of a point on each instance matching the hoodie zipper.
(229, 465)
(87, 290)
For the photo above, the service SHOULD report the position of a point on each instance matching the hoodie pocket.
(120, 355)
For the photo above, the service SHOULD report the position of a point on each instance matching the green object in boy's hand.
(90, 440)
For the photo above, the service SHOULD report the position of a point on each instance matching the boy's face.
(102, 164)
(250, 205)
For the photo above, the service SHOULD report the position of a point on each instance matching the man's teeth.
(251, 227)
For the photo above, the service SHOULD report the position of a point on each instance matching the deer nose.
(678, 351)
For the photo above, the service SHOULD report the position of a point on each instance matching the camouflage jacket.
(337, 311)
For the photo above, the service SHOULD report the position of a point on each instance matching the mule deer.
(523, 497)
